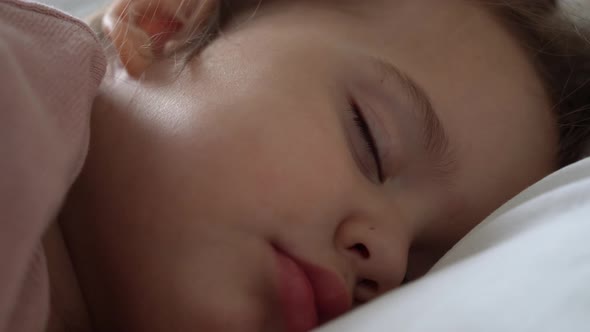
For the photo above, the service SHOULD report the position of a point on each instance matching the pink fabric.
(50, 68)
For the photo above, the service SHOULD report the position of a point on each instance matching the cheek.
(266, 160)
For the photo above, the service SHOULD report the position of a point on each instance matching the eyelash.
(365, 130)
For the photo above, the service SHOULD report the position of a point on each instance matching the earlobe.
(144, 30)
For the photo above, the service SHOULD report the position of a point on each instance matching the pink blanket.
(50, 68)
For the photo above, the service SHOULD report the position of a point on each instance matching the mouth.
(309, 295)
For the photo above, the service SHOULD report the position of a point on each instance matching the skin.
(192, 178)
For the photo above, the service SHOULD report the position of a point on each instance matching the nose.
(377, 256)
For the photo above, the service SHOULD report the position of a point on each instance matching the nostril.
(365, 291)
(361, 249)
(405, 280)
(369, 285)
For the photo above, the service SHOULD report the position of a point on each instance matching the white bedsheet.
(525, 268)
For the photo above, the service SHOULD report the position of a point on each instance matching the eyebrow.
(434, 136)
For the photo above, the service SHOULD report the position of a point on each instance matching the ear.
(143, 30)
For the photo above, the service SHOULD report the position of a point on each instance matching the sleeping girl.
(266, 165)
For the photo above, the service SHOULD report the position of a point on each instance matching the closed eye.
(367, 135)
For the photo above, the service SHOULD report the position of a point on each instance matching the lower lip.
(296, 296)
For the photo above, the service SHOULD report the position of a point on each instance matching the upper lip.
(331, 296)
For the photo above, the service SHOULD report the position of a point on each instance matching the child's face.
(193, 184)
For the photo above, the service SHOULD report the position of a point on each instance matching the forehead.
(457, 50)
(433, 22)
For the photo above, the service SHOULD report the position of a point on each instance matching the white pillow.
(525, 268)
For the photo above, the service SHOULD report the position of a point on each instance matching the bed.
(525, 268)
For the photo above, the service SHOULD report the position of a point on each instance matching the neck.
(68, 310)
